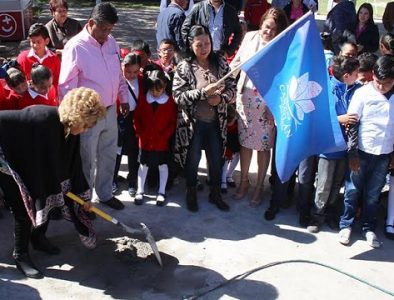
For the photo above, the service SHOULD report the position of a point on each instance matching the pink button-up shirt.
(87, 63)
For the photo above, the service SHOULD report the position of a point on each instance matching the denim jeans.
(367, 183)
(330, 177)
(206, 136)
(306, 179)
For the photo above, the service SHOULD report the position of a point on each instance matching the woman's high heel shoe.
(242, 189)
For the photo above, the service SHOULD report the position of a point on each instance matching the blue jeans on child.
(206, 136)
(367, 183)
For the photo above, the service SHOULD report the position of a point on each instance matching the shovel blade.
(149, 237)
(152, 243)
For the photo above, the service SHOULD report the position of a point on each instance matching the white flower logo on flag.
(296, 101)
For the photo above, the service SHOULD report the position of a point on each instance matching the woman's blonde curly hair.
(81, 107)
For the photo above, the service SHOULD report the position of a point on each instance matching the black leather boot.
(215, 197)
(191, 198)
(21, 253)
(25, 265)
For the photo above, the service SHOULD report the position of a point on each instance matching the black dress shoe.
(113, 203)
(215, 197)
(270, 213)
(42, 244)
(25, 265)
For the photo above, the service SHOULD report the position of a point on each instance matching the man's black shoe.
(113, 203)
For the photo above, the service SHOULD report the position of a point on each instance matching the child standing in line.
(142, 48)
(365, 73)
(41, 90)
(155, 123)
(332, 166)
(39, 53)
(166, 57)
(232, 150)
(16, 87)
(127, 140)
(370, 150)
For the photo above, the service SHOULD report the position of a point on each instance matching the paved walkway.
(199, 250)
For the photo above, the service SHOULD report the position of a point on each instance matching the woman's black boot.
(21, 250)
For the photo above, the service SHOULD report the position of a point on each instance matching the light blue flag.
(291, 74)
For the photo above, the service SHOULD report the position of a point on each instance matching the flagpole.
(274, 39)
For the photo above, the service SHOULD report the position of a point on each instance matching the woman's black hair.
(384, 67)
(39, 73)
(195, 31)
(387, 40)
(368, 7)
(155, 77)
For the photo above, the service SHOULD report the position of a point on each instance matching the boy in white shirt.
(370, 150)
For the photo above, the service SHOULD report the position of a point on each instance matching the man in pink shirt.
(91, 59)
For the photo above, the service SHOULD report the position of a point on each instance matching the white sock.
(163, 174)
(390, 204)
(224, 170)
(233, 165)
(142, 172)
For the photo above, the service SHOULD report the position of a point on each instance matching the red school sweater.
(27, 100)
(52, 62)
(154, 128)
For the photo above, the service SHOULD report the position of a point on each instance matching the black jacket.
(369, 38)
(200, 15)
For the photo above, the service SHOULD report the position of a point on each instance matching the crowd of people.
(108, 102)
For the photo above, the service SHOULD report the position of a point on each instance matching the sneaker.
(132, 191)
(113, 203)
(372, 239)
(344, 235)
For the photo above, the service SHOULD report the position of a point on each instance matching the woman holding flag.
(256, 125)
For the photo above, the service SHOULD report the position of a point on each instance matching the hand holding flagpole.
(237, 68)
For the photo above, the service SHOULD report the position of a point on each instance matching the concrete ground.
(199, 250)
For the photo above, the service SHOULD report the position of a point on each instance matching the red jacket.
(27, 100)
(154, 128)
(52, 62)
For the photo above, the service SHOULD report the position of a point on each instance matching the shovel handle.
(93, 208)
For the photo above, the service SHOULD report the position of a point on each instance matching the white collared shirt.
(40, 60)
(376, 116)
(34, 94)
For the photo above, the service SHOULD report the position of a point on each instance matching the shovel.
(144, 229)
